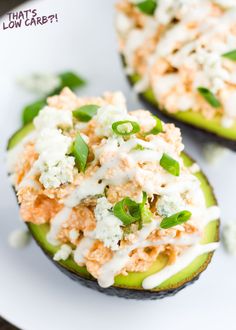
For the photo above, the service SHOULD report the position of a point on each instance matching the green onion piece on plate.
(86, 112)
(68, 79)
(209, 97)
(170, 164)
(148, 7)
(125, 127)
(230, 55)
(175, 219)
(71, 80)
(158, 127)
(80, 152)
(127, 211)
(31, 111)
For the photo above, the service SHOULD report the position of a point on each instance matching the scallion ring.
(209, 97)
(148, 7)
(170, 164)
(145, 213)
(86, 112)
(158, 128)
(175, 219)
(127, 211)
(125, 127)
(80, 151)
(230, 55)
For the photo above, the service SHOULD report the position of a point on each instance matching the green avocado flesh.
(134, 280)
(190, 117)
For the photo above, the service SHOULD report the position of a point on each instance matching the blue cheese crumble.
(213, 152)
(106, 116)
(51, 118)
(55, 166)
(169, 204)
(63, 253)
(42, 84)
(229, 237)
(19, 238)
(108, 228)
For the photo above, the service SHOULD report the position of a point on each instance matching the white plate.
(34, 295)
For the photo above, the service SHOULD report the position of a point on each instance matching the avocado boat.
(130, 283)
(187, 80)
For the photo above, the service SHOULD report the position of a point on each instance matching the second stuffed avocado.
(110, 197)
(182, 63)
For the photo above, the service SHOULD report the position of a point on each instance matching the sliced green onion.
(31, 111)
(86, 112)
(67, 79)
(80, 152)
(138, 147)
(209, 97)
(124, 132)
(170, 164)
(158, 127)
(148, 7)
(127, 211)
(71, 80)
(175, 219)
(230, 55)
(144, 199)
(70, 149)
(145, 213)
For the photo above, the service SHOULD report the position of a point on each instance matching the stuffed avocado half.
(111, 198)
(181, 58)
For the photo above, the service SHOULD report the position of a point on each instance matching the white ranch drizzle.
(206, 29)
(29, 179)
(183, 261)
(108, 271)
(82, 249)
(91, 186)
(180, 28)
(212, 213)
(186, 240)
(195, 168)
(147, 156)
(96, 184)
(177, 186)
(14, 154)
(121, 257)
(56, 224)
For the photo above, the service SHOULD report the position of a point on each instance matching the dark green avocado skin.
(123, 292)
(198, 133)
(116, 291)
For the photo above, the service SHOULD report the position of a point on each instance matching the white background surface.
(34, 295)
